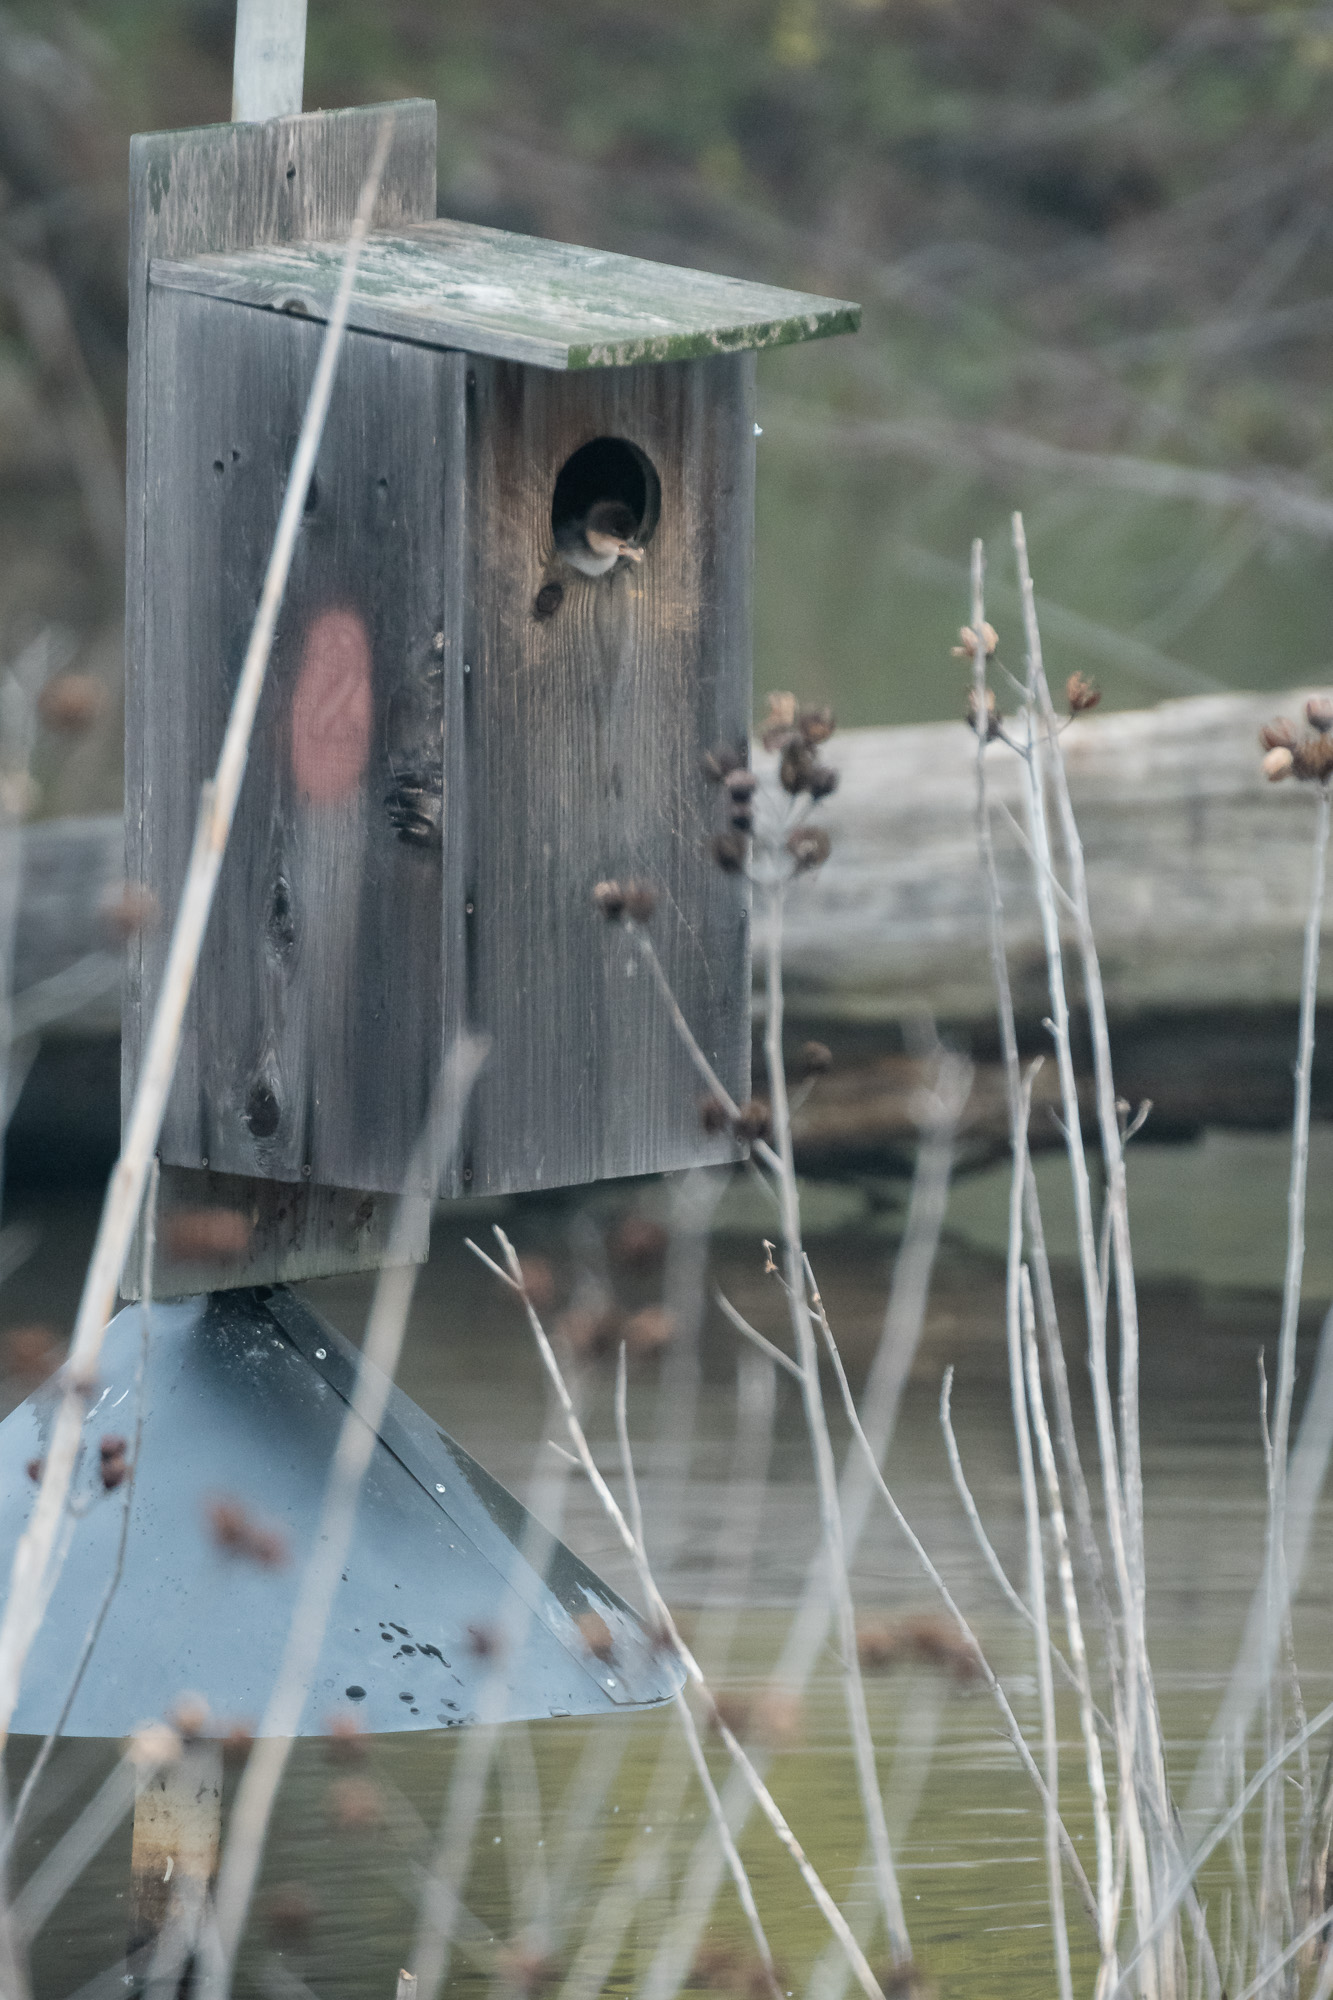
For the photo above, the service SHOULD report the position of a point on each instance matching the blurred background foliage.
(1094, 242)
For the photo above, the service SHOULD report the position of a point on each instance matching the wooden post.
(177, 1835)
(269, 66)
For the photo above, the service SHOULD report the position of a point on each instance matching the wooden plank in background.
(586, 732)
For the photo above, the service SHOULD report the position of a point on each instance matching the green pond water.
(584, 1820)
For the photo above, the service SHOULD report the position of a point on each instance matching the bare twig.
(377, 1364)
(31, 1577)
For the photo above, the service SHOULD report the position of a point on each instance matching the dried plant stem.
(440, 1906)
(377, 1364)
(1221, 1830)
(735, 1865)
(659, 1609)
(31, 1577)
(40, 1761)
(1004, 1005)
(900, 1336)
(1015, 1277)
(1087, 1713)
(826, 1478)
(1255, 1662)
(1012, 1729)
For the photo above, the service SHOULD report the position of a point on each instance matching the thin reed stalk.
(735, 1865)
(826, 1479)
(1011, 1723)
(377, 1364)
(31, 1577)
(659, 1610)
(1087, 1712)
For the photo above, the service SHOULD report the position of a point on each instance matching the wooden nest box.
(462, 731)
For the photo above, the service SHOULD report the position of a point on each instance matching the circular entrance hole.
(607, 468)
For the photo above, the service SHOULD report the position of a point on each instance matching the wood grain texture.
(294, 1233)
(326, 992)
(586, 731)
(215, 190)
(519, 298)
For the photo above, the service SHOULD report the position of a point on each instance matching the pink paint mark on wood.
(331, 708)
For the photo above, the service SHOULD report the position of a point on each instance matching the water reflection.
(592, 1857)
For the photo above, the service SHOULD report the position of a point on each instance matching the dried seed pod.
(754, 1120)
(797, 767)
(190, 1716)
(992, 714)
(1277, 735)
(291, 1913)
(238, 1534)
(718, 764)
(816, 724)
(776, 1718)
(129, 909)
(650, 1330)
(714, 1115)
(344, 1739)
(1319, 712)
(967, 647)
(596, 1636)
(926, 1640)
(742, 820)
(1277, 763)
(151, 1744)
(639, 1245)
(71, 703)
(528, 1971)
(587, 1330)
(821, 781)
(113, 1472)
(813, 1059)
(610, 900)
(728, 851)
(1081, 694)
(237, 1742)
(30, 1354)
(781, 712)
(741, 783)
(196, 1235)
(732, 1711)
(808, 847)
(1312, 758)
(355, 1805)
(538, 1281)
(640, 901)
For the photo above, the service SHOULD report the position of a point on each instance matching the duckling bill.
(593, 543)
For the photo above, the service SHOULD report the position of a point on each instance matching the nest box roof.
(520, 298)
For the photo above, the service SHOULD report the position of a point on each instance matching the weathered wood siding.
(215, 190)
(586, 731)
(327, 989)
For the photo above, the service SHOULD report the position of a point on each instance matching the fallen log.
(1197, 871)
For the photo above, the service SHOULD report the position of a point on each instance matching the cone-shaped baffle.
(244, 1394)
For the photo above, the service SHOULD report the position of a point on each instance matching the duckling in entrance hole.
(593, 543)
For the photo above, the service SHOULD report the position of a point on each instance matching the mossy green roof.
(521, 298)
